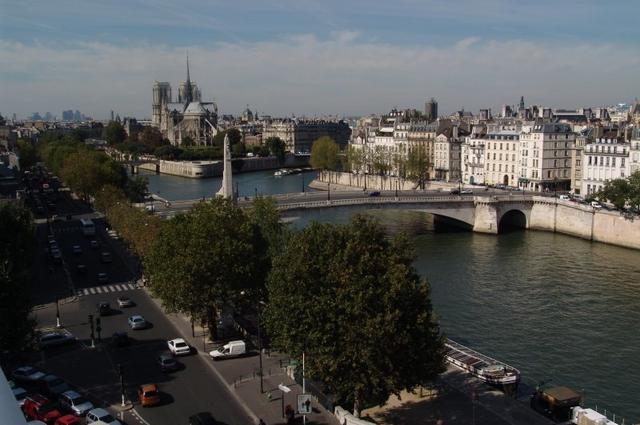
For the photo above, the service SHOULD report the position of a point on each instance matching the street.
(95, 371)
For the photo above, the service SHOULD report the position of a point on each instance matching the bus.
(88, 228)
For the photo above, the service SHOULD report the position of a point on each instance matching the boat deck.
(472, 358)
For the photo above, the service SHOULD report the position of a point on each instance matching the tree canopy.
(276, 147)
(350, 298)
(17, 248)
(114, 133)
(205, 258)
(86, 171)
(324, 154)
(28, 153)
(623, 192)
(417, 164)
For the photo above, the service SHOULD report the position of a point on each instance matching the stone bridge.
(485, 214)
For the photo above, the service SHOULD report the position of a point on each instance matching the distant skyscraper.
(112, 115)
(48, 116)
(521, 103)
(36, 116)
(431, 110)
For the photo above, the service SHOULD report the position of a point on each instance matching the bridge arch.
(512, 219)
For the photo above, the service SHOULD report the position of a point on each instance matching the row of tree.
(346, 295)
(17, 248)
(413, 165)
(622, 193)
(86, 171)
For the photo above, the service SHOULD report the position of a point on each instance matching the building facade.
(604, 160)
(545, 157)
(502, 155)
(299, 135)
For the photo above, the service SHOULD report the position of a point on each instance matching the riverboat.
(485, 368)
(282, 172)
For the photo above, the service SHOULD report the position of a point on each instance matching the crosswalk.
(105, 289)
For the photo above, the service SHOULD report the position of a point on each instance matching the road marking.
(130, 285)
(92, 290)
(85, 291)
(99, 289)
(112, 288)
(139, 418)
(118, 287)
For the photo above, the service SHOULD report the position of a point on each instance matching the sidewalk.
(242, 378)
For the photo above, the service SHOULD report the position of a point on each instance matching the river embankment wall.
(350, 181)
(204, 169)
(586, 222)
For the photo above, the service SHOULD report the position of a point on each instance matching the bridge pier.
(486, 217)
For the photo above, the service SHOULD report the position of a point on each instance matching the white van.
(230, 349)
(564, 198)
(596, 204)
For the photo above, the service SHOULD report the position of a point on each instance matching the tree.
(86, 171)
(187, 142)
(17, 248)
(234, 137)
(417, 164)
(239, 150)
(622, 192)
(168, 152)
(151, 137)
(114, 133)
(203, 259)
(136, 188)
(28, 154)
(276, 147)
(349, 297)
(354, 159)
(324, 154)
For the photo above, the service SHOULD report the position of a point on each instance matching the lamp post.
(260, 346)
(328, 191)
(58, 324)
(302, 175)
(121, 372)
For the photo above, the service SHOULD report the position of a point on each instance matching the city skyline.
(311, 58)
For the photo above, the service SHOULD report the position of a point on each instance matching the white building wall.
(603, 161)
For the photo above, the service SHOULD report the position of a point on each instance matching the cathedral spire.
(188, 95)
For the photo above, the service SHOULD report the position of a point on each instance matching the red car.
(67, 420)
(39, 407)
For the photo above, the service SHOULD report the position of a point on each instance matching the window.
(607, 162)
(622, 162)
(589, 160)
(613, 162)
(601, 160)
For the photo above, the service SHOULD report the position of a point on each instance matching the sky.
(317, 57)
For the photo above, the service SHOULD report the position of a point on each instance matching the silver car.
(53, 339)
(100, 414)
(27, 374)
(75, 403)
(137, 322)
(125, 302)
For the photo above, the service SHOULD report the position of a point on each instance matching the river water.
(556, 307)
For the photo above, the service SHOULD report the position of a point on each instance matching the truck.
(231, 349)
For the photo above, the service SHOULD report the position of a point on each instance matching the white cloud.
(303, 74)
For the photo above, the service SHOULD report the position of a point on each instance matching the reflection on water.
(554, 306)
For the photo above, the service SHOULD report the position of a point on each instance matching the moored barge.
(485, 368)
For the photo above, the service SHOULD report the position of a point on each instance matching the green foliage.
(235, 137)
(17, 248)
(622, 192)
(324, 154)
(169, 152)
(381, 161)
(114, 133)
(239, 150)
(350, 297)
(204, 258)
(263, 214)
(187, 142)
(136, 188)
(354, 159)
(151, 137)
(86, 171)
(276, 147)
(28, 154)
(417, 164)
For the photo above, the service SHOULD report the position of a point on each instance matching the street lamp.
(302, 175)
(260, 347)
(121, 372)
(58, 324)
(328, 191)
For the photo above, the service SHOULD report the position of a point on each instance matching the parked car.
(40, 408)
(56, 255)
(466, 192)
(75, 403)
(149, 395)
(100, 414)
(230, 349)
(27, 374)
(104, 308)
(375, 193)
(76, 249)
(81, 268)
(94, 244)
(454, 191)
(167, 362)
(125, 302)
(53, 339)
(20, 394)
(202, 418)
(137, 322)
(52, 386)
(67, 420)
(102, 277)
(120, 339)
(178, 347)
(564, 197)
(596, 205)
(105, 257)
